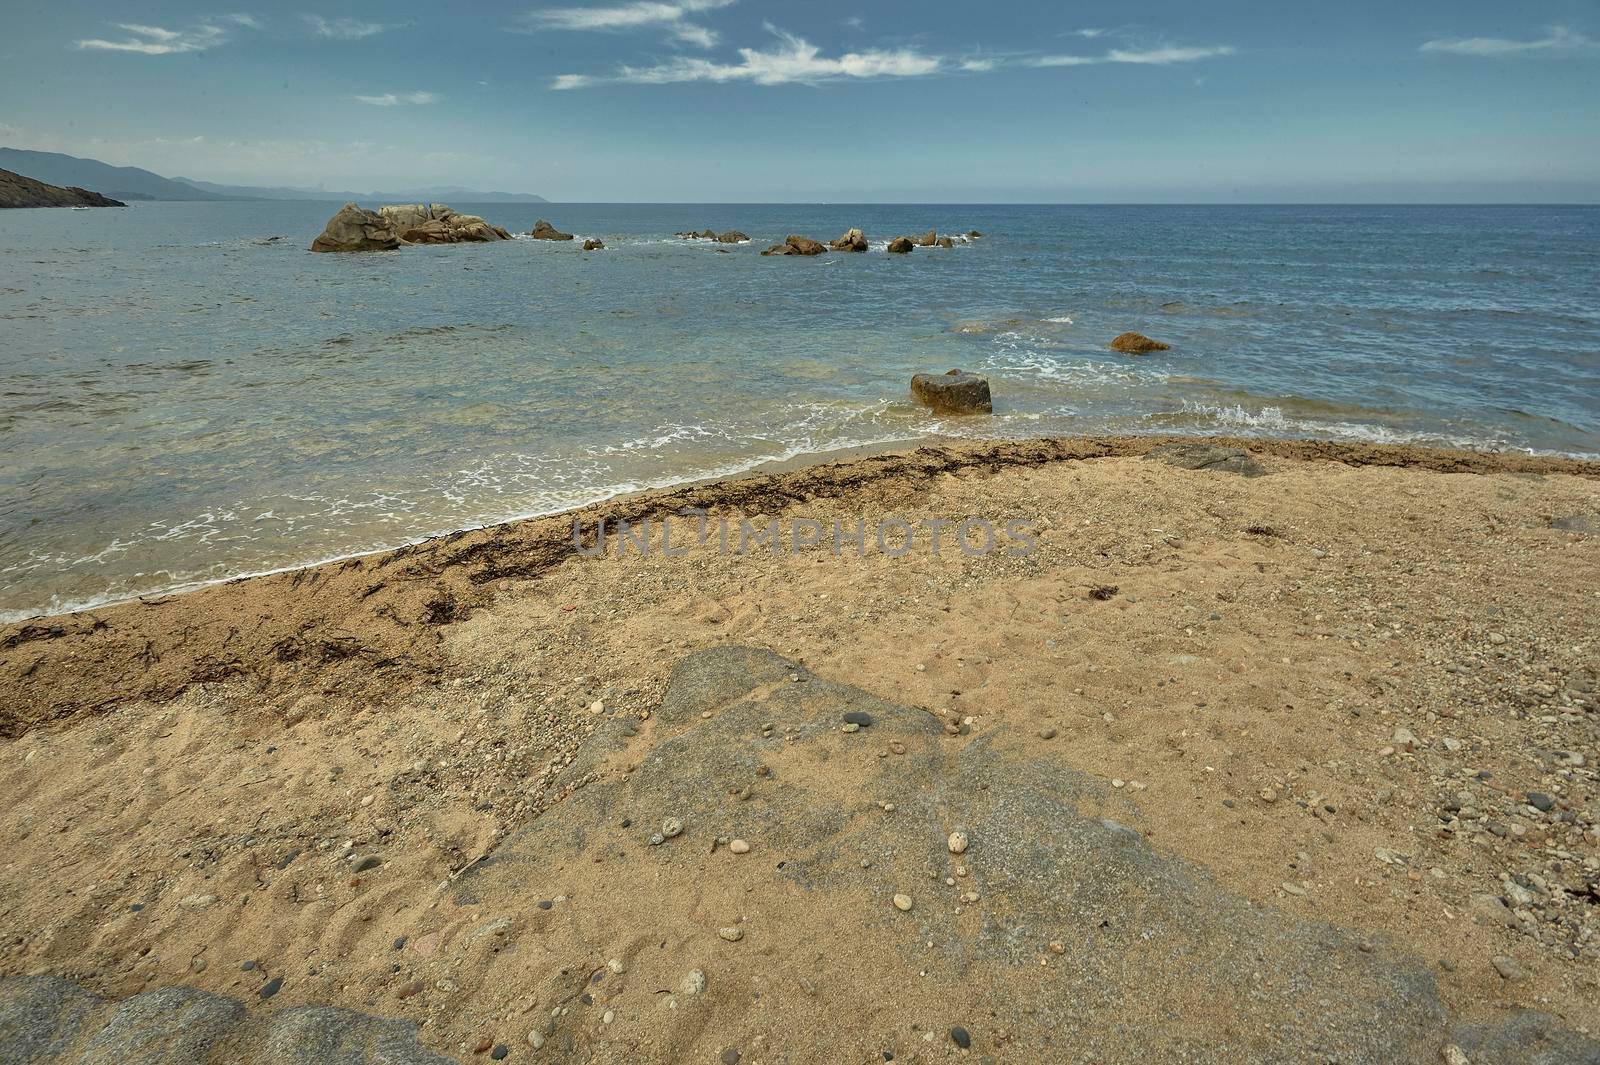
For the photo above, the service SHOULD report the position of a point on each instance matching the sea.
(188, 394)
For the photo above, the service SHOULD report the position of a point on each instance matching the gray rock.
(1207, 457)
(955, 392)
(45, 1020)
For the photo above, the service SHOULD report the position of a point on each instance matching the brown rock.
(973, 234)
(732, 236)
(543, 230)
(797, 246)
(946, 242)
(853, 240)
(901, 245)
(354, 229)
(956, 392)
(928, 239)
(592, 244)
(1137, 344)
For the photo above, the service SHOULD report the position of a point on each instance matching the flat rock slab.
(1208, 457)
(45, 1020)
(1158, 963)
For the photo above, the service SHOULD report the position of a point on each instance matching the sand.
(1357, 693)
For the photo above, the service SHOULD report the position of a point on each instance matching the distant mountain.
(19, 191)
(121, 182)
(429, 195)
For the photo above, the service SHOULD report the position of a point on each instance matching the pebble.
(957, 842)
(271, 987)
(695, 982)
(960, 1037)
(500, 1052)
(1454, 1055)
(857, 717)
(850, 727)
(407, 990)
(1540, 801)
(483, 1044)
(1047, 734)
(1057, 947)
(739, 846)
(902, 902)
(536, 1039)
(731, 934)
(1509, 969)
(196, 902)
(729, 1057)
(371, 861)
(672, 828)
(608, 1016)
(897, 747)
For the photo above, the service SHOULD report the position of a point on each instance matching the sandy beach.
(1295, 748)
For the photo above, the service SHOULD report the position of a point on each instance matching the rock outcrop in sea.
(853, 240)
(901, 245)
(19, 191)
(594, 244)
(543, 230)
(955, 392)
(1137, 344)
(797, 246)
(353, 228)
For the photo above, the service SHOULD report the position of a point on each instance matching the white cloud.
(669, 15)
(1149, 56)
(395, 99)
(343, 29)
(979, 66)
(795, 60)
(1556, 39)
(1090, 34)
(157, 40)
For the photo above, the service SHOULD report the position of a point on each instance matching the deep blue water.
(181, 400)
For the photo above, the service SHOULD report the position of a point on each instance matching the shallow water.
(183, 400)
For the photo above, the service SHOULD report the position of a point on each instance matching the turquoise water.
(183, 400)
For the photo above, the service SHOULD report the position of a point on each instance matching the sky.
(827, 100)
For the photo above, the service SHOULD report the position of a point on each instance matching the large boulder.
(955, 392)
(901, 245)
(354, 229)
(1137, 344)
(853, 240)
(732, 236)
(543, 230)
(797, 246)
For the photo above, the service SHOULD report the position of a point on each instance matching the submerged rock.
(853, 240)
(956, 392)
(353, 229)
(543, 230)
(1137, 344)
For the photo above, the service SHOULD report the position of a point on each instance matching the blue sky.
(752, 100)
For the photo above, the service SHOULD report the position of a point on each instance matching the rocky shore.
(1267, 749)
(19, 191)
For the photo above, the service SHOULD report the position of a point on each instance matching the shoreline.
(106, 656)
(1359, 452)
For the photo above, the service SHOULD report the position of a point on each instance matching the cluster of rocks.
(353, 228)
(794, 245)
(853, 240)
(731, 236)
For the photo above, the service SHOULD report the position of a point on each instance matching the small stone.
(694, 983)
(399, 942)
(483, 1044)
(857, 717)
(850, 727)
(409, 989)
(957, 842)
(1540, 801)
(1047, 734)
(196, 902)
(657, 839)
(371, 861)
(271, 987)
(197, 965)
(1454, 1055)
(499, 1052)
(597, 707)
(730, 934)
(960, 1037)
(1508, 968)
(902, 902)
(536, 1039)
(729, 1057)
(608, 1016)
(896, 747)
(739, 846)
(1497, 638)
(1057, 947)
